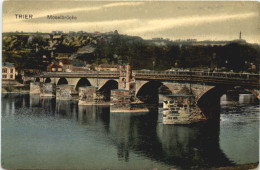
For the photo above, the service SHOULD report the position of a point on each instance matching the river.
(45, 134)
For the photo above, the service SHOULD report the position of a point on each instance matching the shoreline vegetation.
(253, 166)
(16, 89)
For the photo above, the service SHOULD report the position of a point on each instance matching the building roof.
(8, 64)
(56, 66)
(66, 61)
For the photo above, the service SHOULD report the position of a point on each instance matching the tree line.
(26, 51)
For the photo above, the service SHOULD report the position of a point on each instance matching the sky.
(200, 20)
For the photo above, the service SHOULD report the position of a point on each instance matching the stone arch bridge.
(144, 86)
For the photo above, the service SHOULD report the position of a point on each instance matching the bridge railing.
(202, 74)
(81, 73)
(229, 75)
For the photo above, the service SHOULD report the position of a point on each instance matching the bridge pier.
(48, 90)
(64, 92)
(90, 95)
(121, 101)
(35, 88)
(181, 109)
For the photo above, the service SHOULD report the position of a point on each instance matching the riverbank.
(240, 167)
(16, 89)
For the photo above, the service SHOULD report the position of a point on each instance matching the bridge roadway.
(211, 78)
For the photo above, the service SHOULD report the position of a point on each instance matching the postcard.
(130, 84)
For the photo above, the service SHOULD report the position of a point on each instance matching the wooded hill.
(26, 50)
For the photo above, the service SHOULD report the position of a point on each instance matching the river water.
(44, 134)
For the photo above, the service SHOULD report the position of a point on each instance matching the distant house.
(54, 67)
(66, 65)
(8, 71)
(106, 67)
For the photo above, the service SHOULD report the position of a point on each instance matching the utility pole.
(97, 74)
(190, 87)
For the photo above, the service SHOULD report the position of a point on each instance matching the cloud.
(164, 24)
(85, 9)
(44, 13)
(102, 26)
(63, 11)
(123, 4)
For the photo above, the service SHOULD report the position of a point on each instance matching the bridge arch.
(37, 79)
(165, 89)
(105, 90)
(47, 80)
(218, 91)
(209, 99)
(62, 80)
(139, 84)
(81, 83)
(149, 92)
(102, 82)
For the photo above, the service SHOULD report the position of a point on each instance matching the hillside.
(36, 50)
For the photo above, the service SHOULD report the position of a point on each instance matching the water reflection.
(35, 100)
(130, 134)
(196, 146)
(93, 114)
(65, 109)
(48, 104)
(239, 131)
(246, 99)
(120, 129)
(181, 146)
(130, 131)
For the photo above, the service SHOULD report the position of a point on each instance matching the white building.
(8, 71)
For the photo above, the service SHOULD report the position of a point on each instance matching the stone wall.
(48, 90)
(11, 82)
(120, 100)
(64, 92)
(90, 95)
(35, 87)
(181, 109)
